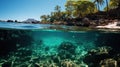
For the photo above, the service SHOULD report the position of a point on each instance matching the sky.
(23, 9)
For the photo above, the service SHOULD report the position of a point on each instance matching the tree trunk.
(98, 7)
(119, 4)
(107, 7)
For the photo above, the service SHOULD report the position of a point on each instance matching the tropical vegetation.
(77, 9)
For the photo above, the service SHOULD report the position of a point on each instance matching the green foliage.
(57, 15)
(82, 8)
(69, 9)
(73, 9)
(78, 9)
(45, 18)
(113, 4)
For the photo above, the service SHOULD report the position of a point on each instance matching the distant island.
(29, 20)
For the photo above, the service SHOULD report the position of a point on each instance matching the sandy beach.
(110, 26)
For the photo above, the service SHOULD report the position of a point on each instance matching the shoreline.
(88, 24)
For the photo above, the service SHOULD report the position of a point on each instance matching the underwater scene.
(23, 45)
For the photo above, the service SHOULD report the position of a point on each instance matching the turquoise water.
(28, 44)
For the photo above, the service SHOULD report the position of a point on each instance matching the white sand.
(110, 26)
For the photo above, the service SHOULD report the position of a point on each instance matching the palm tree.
(57, 8)
(82, 8)
(69, 9)
(44, 18)
(57, 12)
(99, 3)
(114, 4)
(107, 5)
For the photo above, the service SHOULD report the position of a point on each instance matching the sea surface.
(44, 45)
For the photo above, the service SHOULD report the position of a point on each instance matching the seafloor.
(52, 48)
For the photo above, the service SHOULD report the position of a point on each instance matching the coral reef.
(67, 46)
(24, 58)
(100, 56)
(94, 56)
(68, 63)
(25, 52)
(68, 49)
(108, 63)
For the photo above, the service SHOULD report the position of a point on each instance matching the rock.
(85, 19)
(16, 21)
(59, 23)
(86, 22)
(118, 24)
(10, 21)
(108, 63)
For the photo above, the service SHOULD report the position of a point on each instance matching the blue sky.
(24, 9)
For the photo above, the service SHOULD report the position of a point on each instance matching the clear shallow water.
(45, 42)
(21, 25)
